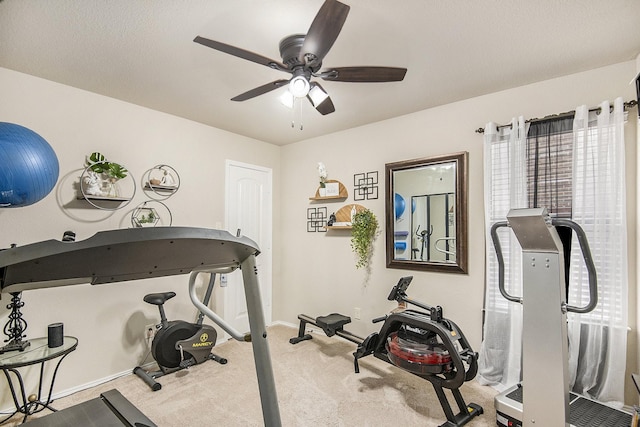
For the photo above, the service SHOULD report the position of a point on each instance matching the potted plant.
(364, 229)
(99, 164)
(110, 172)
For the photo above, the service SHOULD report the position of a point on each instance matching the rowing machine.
(422, 342)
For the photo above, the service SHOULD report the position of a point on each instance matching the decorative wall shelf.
(106, 203)
(163, 188)
(106, 198)
(341, 193)
(105, 193)
(343, 216)
(148, 214)
(161, 182)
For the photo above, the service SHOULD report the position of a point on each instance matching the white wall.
(319, 274)
(109, 319)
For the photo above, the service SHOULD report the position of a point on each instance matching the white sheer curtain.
(598, 340)
(505, 188)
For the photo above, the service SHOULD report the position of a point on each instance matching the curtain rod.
(627, 106)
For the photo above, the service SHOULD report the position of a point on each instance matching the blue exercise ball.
(28, 166)
(399, 205)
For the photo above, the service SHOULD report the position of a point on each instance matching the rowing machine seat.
(332, 323)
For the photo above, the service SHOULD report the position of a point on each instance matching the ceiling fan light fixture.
(299, 86)
(317, 95)
(287, 99)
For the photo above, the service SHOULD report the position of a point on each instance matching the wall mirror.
(426, 213)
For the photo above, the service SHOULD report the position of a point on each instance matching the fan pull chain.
(300, 113)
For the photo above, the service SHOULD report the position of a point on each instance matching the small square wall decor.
(316, 220)
(365, 186)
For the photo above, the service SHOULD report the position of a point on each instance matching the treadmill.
(543, 398)
(114, 256)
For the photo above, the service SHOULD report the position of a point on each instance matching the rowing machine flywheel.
(420, 355)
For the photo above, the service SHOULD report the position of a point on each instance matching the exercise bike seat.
(158, 298)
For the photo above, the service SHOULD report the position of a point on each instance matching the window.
(549, 166)
(573, 166)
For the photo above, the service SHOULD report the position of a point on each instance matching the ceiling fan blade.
(364, 74)
(320, 99)
(261, 90)
(241, 53)
(323, 31)
(325, 107)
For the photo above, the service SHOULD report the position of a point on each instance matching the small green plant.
(147, 219)
(364, 229)
(97, 163)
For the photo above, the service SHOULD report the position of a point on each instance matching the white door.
(248, 202)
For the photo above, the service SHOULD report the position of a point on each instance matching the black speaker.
(55, 335)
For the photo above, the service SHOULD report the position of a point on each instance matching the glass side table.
(38, 352)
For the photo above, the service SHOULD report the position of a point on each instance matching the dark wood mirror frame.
(461, 188)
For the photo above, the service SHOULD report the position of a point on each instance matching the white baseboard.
(82, 387)
(283, 323)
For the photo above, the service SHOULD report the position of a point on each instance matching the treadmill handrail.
(588, 260)
(498, 249)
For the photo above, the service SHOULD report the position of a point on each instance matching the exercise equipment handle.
(588, 260)
(498, 248)
(379, 319)
(210, 314)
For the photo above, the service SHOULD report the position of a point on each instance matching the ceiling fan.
(302, 57)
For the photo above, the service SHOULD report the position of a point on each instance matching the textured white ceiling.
(142, 51)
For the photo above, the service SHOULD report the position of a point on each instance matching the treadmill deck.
(583, 412)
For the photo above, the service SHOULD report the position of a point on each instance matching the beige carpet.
(316, 387)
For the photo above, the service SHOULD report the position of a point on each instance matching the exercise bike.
(422, 342)
(178, 344)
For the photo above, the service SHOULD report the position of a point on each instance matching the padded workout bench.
(331, 324)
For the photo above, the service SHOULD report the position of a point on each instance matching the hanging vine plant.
(364, 229)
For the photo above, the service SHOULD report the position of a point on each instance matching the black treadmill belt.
(111, 409)
(516, 395)
(584, 413)
(90, 413)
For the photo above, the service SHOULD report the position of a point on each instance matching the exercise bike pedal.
(220, 360)
(186, 364)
